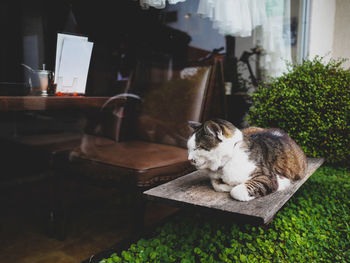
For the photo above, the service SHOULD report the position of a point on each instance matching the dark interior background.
(122, 32)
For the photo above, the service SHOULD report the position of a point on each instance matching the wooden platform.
(195, 190)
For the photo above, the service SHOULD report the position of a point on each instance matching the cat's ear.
(214, 129)
(194, 125)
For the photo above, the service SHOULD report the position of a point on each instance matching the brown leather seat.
(151, 146)
(141, 162)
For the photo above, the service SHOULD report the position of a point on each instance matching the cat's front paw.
(240, 193)
(219, 186)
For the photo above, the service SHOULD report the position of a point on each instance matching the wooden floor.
(99, 220)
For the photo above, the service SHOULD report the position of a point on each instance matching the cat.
(248, 163)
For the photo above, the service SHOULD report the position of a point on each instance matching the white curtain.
(234, 17)
(157, 3)
(274, 37)
(268, 21)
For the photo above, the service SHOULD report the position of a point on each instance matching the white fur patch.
(283, 183)
(277, 133)
(220, 187)
(233, 161)
(195, 154)
(203, 159)
(240, 193)
(191, 143)
(239, 168)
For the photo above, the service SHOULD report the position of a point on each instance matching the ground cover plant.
(311, 102)
(314, 226)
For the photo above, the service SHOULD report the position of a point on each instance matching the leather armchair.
(148, 145)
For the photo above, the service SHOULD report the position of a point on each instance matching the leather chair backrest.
(172, 98)
(169, 98)
(167, 106)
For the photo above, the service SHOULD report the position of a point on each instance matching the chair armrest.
(107, 121)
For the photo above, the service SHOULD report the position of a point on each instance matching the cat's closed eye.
(203, 148)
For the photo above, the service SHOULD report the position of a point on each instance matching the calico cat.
(249, 163)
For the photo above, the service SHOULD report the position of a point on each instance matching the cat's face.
(210, 144)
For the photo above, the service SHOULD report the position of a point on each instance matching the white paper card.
(73, 64)
(60, 38)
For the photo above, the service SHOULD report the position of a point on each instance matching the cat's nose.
(193, 161)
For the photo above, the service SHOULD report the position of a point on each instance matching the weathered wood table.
(195, 190)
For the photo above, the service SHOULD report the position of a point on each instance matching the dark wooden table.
(195, 191)
(41, 133)
(27, 103)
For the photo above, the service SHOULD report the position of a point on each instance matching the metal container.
(40, 81)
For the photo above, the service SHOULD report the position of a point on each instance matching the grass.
(314, 226)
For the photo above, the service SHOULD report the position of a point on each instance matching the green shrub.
(312, 103)
(312, 227)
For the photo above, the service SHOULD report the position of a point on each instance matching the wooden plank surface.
(195, 190)
(23, 103)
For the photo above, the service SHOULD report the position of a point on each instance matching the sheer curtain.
(274, 36)
(268, 21)
(157, 3)
(234, 17)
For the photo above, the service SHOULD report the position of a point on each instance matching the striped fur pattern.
(247, 163)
